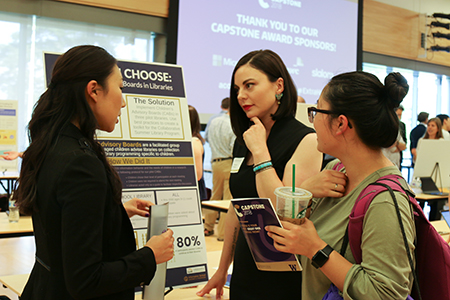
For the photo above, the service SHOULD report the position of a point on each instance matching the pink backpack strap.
(338, 167)
(356, 217)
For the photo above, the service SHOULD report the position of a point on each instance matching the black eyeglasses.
(312, 111)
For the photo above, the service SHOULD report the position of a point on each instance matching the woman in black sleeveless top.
(268, 141)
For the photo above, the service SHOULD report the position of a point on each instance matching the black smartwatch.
(321, 257)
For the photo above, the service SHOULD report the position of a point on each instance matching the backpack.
(432, 251)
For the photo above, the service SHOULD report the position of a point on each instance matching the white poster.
(8, 135)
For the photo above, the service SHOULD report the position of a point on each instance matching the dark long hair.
(270, 64)
(64, 101)
(195, 123)
(368, 104)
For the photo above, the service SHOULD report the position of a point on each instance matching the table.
(430, 198)
(7, 182)
(219, 205)
(16, 283)
(442, 228)
(425, 197)
(22, 228)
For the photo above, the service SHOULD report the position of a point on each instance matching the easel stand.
(437, 173)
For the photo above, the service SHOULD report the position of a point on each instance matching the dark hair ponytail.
(396, 88)
(63, 102)
(368, 104)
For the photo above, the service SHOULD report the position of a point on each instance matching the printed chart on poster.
(151, 150)
(8, 134)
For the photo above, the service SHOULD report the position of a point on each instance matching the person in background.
(221, 140)
(393, 152)
(224, 105)
(445, 130)
(354, 119)
(85, 245)
(300, 99)
(269, 140)
(11, 155)
(445, 126)
(417, 133)
(434, 132)
(197, 143)
(399, 111)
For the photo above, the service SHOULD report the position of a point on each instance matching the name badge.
(237, 162)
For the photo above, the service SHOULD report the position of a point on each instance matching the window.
(24, 38)
(428, 92)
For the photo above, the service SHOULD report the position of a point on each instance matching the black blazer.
(85, 245)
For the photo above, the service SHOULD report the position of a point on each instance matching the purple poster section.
(156, 176)
(152, 79)
(136, 169)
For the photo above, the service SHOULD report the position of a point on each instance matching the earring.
(278, 97)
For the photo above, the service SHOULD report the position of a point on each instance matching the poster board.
(430, 152)
(151, 150)
(8, 135)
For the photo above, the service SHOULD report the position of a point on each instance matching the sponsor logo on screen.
(279, 3)
(217, 60)
(299, 62)
(263, 4)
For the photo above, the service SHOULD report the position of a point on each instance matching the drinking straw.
(293, 178)
(293, 190)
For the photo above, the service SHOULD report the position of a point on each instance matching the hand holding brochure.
(254, 214)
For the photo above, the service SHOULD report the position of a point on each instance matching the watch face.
(321, 257)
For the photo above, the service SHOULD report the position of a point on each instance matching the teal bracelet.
(262, 166)
(263, 169)
(261, 163)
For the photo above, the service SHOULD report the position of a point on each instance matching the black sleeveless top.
(247, 282)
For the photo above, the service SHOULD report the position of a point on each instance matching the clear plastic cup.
(14, 214)
(292, 206)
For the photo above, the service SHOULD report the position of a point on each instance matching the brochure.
(254, 214)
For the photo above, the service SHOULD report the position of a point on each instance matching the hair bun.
(395, 88)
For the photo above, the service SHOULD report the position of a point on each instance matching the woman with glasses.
(269, 141)
(354, 119)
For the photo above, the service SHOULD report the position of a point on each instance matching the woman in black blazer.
(85, 246)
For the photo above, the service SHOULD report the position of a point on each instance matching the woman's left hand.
(297, 239)
(328, 183)
(138, 207)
